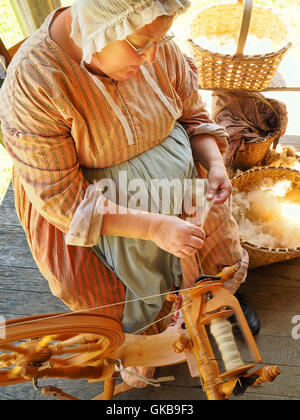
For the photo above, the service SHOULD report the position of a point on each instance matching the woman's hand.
(219, 183)
(206, 151)
(176, 236)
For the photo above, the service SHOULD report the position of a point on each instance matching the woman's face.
(120, 61)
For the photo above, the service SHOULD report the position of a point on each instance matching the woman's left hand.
(219, 183)
(206, 152)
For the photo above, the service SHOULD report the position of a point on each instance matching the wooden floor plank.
(80, 389)
(285, 274)
(14, 248)
(10, 302)
(9, 199)
(276, 323)
(22, 279)
(9, 217)
(275, 351)
(274, 297)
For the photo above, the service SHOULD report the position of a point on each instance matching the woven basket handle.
(248, 7)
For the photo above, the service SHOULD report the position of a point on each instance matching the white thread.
(221, 330)
(207, 206)
(124, 302)
(109, 306)
(161, 319)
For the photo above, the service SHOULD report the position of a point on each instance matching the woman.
(101, 89)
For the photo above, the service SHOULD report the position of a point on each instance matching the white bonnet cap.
(98, 23)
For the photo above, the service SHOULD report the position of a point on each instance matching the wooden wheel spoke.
(14, 349)
(83, 339)
(44, 342)
(85, 348)
(82, 343)
(57, 345)
(7, 360)
(15, 372)
(30, 351)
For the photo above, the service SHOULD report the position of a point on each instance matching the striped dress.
(57, 120)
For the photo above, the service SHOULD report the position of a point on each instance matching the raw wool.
(266, 217)
(228, 45)
(284, 156)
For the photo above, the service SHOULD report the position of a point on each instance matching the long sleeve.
(195, 117)
(39, 142)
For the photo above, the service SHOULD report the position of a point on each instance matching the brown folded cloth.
(248, 117)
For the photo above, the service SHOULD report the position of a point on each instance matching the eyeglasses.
(142, 50)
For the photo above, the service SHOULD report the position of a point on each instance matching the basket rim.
(202, 9)
(266, 139)
(256, 7)
(269, 137)
(270, 250)
(237, 58)
(256, 247)
(264, 168)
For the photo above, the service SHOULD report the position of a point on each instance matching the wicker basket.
(261, 256)
(252, 154)
(239, 71)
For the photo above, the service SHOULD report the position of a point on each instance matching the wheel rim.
(65, 340)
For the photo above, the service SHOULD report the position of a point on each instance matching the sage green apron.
(143, 267)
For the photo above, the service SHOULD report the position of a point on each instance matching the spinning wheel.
(94, 347)
(70, 345)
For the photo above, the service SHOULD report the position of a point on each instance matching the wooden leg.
(119, 389)
(109, 389)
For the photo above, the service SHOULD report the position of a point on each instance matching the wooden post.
(4, 53)
(31, 14)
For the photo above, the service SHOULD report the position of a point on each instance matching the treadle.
(52, 391)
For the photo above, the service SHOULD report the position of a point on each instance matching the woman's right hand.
(176, 236)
